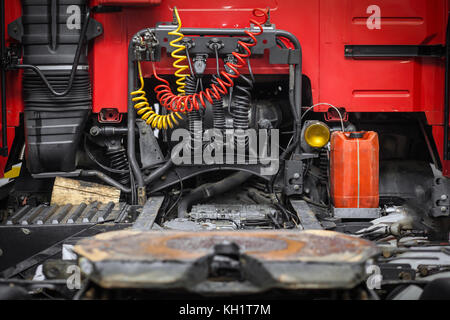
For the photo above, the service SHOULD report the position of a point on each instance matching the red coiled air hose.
(187, 103)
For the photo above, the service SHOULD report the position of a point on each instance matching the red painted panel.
(381, 84)
(125, 2)
(323, 28)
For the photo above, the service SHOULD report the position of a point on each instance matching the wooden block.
(75, 192)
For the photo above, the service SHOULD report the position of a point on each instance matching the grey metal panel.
(148, 215)
(306, 215)
(357, 213)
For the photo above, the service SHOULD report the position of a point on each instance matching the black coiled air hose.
(242, 100)
(119, 161)
(218, 111)
(194, 118)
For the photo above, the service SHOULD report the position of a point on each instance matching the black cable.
(280, 43)
(189, 62)
(74, 65)
(180, 194)
(132, 183)
(217, 61)
(104, 167)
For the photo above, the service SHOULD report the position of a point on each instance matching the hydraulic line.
(188, 103)
(146, 112)
(209, 190)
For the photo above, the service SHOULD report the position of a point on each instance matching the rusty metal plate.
(268, 259)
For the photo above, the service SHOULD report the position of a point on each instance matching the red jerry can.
(354, 169)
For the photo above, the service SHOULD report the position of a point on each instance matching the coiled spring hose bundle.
(146, 112)
(218, 112)
(241, 109)
(179, 58)
(188, 103)
(194, 117)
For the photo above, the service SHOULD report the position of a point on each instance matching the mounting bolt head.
(444, 197)
(95, 131)
(296, 187)
(443, 209)
(296, 175)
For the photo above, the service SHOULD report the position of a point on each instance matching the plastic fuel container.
(354, 169)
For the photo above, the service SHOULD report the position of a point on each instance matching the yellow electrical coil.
(179, 58)
(146, 112)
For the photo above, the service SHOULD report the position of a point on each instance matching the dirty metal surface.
(313, 259)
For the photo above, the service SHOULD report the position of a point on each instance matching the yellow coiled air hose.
(179, 58)
(146, 112)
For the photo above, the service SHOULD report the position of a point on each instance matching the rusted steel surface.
(312, 245)
(270, 259)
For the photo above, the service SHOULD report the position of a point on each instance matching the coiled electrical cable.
(194, 118)
(217, 105)
(218, 113)
(179, 58)
(193, 102)
(146, 112)
(118, 160)
(241, 108)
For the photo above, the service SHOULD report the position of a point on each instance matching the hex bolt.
(444, 197)
(296, 187)
(296, 175)
(95, 131)
(443, 209)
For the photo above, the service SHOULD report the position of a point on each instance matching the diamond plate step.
(68, 214)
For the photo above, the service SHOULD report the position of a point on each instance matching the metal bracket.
(148, 215)
(306, 215)
(94, 29)
(389, 51)
(293, 177)
(15, 29)
(227, 38)
(150, 151)
(440, 198)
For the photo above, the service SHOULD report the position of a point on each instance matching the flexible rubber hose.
(188, 103)
(157, 173)
(209, 190)
(179, 57)
(146, 112)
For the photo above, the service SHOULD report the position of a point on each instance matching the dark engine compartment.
(294, 181)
